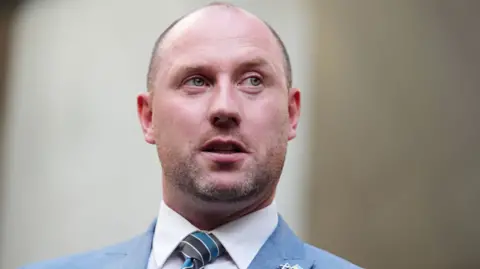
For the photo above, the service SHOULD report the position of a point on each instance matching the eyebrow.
(207, 67)
(257, 62)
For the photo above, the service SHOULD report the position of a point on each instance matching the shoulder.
(94, 259)
(285, 240)
(325, 259)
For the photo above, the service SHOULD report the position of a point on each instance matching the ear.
(293, 111)
(144, 110)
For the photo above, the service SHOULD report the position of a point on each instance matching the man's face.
(221, 112)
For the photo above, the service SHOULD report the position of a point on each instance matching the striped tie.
(199, 249)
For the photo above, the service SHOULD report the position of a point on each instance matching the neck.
(207, 216)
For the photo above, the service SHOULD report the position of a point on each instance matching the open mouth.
(223, 147)
(224, 152)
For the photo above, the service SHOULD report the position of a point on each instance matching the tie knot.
(200, 247)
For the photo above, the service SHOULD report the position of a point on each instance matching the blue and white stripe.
(200, 249)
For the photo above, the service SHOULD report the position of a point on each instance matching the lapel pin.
(288, 266)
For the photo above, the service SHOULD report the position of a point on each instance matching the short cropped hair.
(152, 69)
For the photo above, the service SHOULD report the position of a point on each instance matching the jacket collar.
(137, 252)
(282, 247)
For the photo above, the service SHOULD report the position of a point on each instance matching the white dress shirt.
(241, 238)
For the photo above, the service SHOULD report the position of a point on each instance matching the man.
(220, 110)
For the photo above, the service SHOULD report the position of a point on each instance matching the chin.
(225, 180)
(225, 186)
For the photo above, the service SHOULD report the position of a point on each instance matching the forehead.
(220, 34)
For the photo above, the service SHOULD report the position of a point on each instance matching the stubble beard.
(259, 178)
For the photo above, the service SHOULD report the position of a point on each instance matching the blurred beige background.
(396, 153)
(385, 171)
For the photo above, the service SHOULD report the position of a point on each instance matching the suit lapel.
(282, 247)
(138, 252)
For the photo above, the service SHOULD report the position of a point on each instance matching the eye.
(254, 81)
(196, 82)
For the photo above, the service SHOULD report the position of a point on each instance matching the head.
(219, 108)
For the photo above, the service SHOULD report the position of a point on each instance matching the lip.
(219, 140)
(222, 158)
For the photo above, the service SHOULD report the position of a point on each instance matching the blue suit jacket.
(283, 246)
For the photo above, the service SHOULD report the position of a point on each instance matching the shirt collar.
(170, 229)
(242, 238)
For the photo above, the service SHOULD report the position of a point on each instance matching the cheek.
(269, 123)
(176, 121)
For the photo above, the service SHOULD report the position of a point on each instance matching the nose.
(224, 109)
